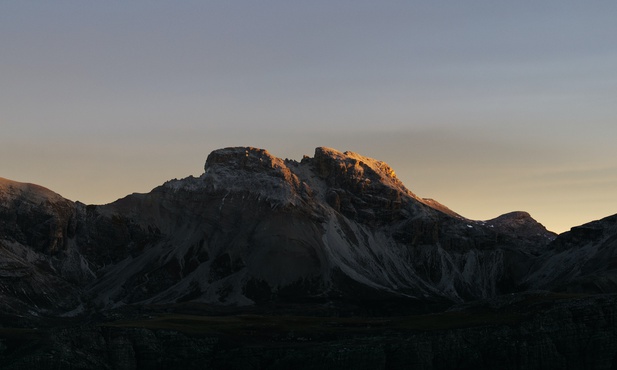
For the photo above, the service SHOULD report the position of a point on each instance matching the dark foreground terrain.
(326, 263)
(528, 331)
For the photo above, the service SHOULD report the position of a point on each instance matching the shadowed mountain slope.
(253, 228)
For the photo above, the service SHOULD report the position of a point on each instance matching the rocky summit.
(332, 236)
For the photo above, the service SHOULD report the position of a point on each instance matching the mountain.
(38, 257)
(582, 260)
(332, 235)
(254, 228)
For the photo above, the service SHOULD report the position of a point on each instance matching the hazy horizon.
(486, 107)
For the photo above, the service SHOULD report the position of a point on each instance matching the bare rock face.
(359, 187)
(522, 225)
(242, 169)
(354, 172)
(582, 260)
(336, 234)
(37, 258)
(35, 216)
(254, 228)
(246, 159)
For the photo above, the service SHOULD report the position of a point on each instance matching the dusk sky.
(486, 106)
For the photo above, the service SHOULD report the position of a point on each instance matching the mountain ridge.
(254, 227)
(255, 241)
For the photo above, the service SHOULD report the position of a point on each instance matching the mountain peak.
(359, 162)
(336, 176)
(244, 158)
(352, 170)
(521, 223)
(257, 228)
(240, 169)
(14, 189)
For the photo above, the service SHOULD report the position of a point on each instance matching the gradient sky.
(485, 106)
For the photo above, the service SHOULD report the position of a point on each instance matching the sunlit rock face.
(358, 187)
(253, 228)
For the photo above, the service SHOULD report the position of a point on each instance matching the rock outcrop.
(582, 260)
(333, 235)
(254, 228)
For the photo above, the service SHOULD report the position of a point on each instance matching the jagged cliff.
(255, 228)
(336, 234)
